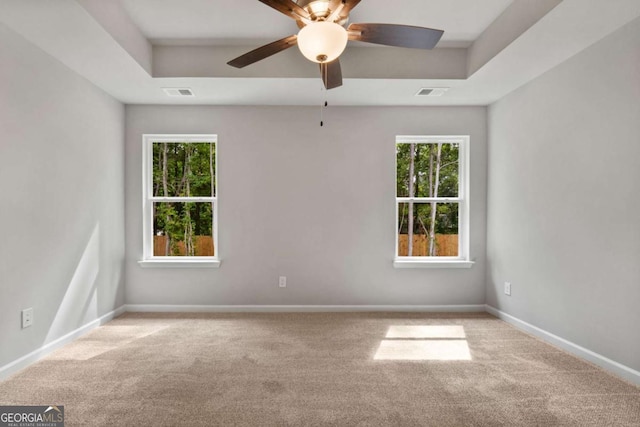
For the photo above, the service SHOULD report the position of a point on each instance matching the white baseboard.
(34, 356)
(149, 308)
(612, 366)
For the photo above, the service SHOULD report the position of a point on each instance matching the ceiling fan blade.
(264, 52)
(288, 7)
(395, 35)
(331, 73)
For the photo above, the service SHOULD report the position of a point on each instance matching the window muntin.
(180, 197)
(432, 206)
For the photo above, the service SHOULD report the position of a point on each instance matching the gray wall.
(61, 198)
(314, 204)
(564, 200)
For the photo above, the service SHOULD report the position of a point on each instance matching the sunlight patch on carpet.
(426, 331)
(102, 340)
(423, 350)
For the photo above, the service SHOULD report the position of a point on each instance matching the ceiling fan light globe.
(322, 41)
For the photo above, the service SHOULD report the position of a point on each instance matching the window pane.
(431, 235)
(183, 229)
(435, 169)
(184, 169)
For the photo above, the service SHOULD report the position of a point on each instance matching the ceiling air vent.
(432, 91)
(178, 91)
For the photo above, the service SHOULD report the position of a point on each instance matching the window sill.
(408, 263)
(179, 263)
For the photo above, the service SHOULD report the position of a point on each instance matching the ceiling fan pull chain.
(322, 107)
(325, 75)
(322, 90)
(321, 115)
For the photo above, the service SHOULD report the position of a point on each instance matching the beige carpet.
(341, 369)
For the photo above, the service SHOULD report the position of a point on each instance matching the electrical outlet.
(27, 317)
(507, 288)
(282, 282)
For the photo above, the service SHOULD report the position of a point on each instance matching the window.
(180, 205)
(432, 201)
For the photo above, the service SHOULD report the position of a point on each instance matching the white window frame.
(148, 259)
(462, 260)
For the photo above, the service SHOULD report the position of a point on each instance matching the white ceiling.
(106, 41)
(242, 21)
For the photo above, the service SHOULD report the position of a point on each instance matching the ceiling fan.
(323, 36)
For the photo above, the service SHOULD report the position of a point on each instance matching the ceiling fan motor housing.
(318, 9)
